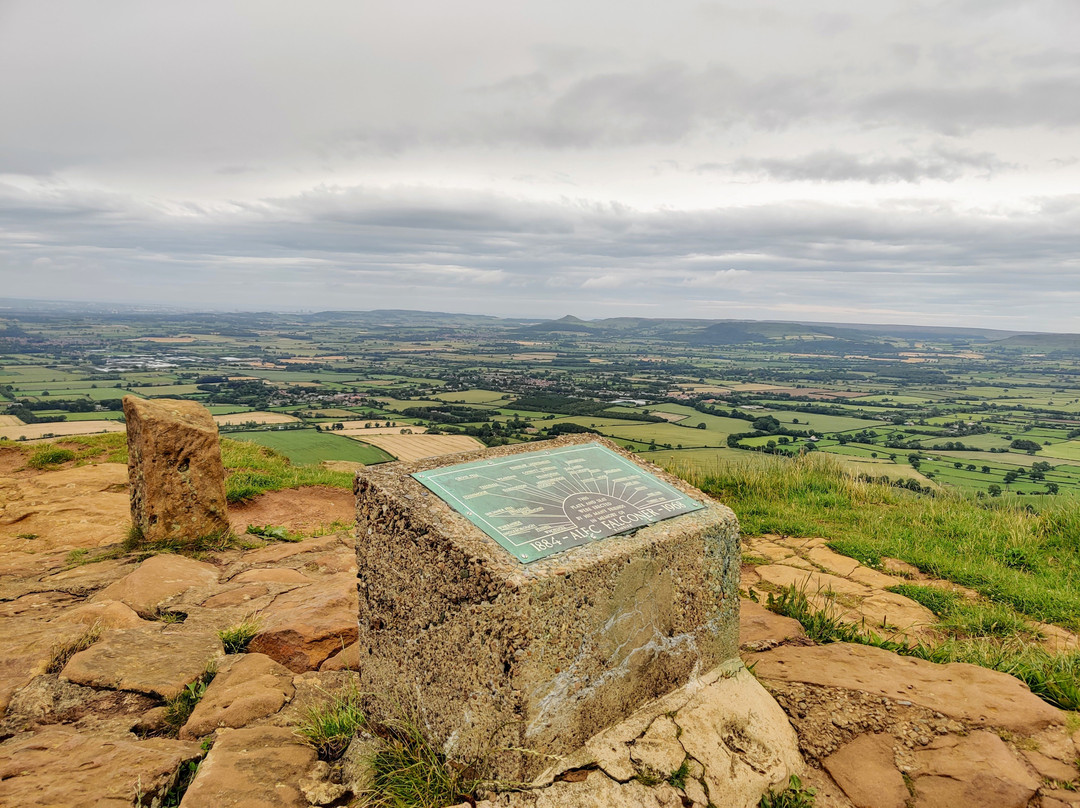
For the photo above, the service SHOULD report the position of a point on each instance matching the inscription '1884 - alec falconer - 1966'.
(539, 503)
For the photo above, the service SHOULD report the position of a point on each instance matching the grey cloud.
(837, 166)
(508, 251)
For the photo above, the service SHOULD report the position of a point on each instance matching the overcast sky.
(837, 160)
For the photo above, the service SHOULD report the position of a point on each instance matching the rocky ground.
(86, 727)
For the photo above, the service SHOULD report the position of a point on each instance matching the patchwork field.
(37, 431)
(237, 419)
(305, 446)
(417, 447)
(356, 429)
(9, 420)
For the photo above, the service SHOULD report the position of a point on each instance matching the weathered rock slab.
(739, 742)
(255, 767)
(977, 770)
(175, 470)
(738, 732)
(246, 688)
(759, 628)
(157, 580)
(57, 767)
(595, 791)
(155, 661)
(977, 696)
(305, 626)
(866, 770)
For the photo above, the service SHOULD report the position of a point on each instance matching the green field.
(306, 446)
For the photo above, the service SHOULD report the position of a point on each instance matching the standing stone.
(174, 466)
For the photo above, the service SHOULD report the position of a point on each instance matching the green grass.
(950, 536)
(1003, 647)
(255, 469)
(331, 726)
(178, 709)
(794, 796)
(48, 456)
(308, 446)
(236, 637)
(407, 771)
(940, 601)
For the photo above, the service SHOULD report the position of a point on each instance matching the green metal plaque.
(539, 503)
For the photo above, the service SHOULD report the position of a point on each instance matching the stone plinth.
(174, 466)
(525, 662)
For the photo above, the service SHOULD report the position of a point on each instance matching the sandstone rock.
(596, 791)
(735, 729)
(832, 561)
(235, 597)
(255, 767)
(317, 788)
(157, 580)
(866, 770)
(174, 466)
(764, 548)
(898, 567)
(49, 700)
(27, 645)
(347, 660)
(303, 627)
(760, 628)
(246, 688)
(812, 582)
(658, 749)
(279, 552)
(1059, 798)
(80, 507)
(1051, 769)
(965, 692)
(276, 575)
(895, 612)
(107, 614)
(976, 770)
(154, 661)
(58, 767)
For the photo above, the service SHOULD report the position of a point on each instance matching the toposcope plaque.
(617, 604)
(540, 503)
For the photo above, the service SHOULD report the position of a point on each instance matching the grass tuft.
(62, 654)
(49, 456)
(179, 708)
(409, 772)
(274, 533)
(236, 637)
(794, 796)
(331, 726)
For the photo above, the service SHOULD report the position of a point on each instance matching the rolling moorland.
(949, 458)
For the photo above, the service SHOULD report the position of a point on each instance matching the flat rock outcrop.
(735, 740)
(257, 766)
(968, 693)
(305, 626)
(175, 471)
(158, 579)
(157, 661)
(57, 767)
(247, 687)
